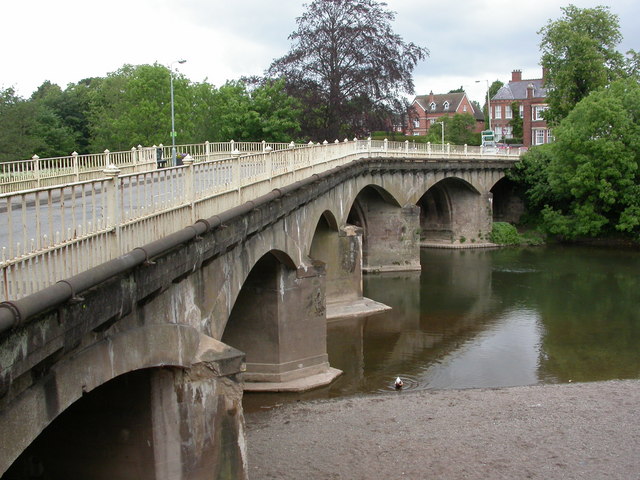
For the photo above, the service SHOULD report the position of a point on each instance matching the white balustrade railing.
(51, 233)
(44, 172)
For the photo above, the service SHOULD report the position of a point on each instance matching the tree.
(458, 129)
(633, 64)
(579, 55)
(132, 107)
(591, 183)
(29, 127)
(516, 122)
(71, 105)
(344, 56)
(265, 112)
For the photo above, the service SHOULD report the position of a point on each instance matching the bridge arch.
(507, 204)
(279, 322)
(450, 212)
(389, 239)
(149, 347)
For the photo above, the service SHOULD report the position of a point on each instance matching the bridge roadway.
(148, 347)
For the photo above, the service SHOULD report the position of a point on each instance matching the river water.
(490, 318)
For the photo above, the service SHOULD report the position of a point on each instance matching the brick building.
(530, 97)
(427, 109)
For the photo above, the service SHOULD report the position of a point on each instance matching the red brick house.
(530, 96)
(427, 109)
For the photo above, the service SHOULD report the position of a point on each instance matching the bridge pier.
(342, 255)
(392, 241)
(279, 321)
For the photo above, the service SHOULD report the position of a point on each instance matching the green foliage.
(132, 107)
(459, 129)
(31, 127)
(516, 123)
(579, 55)
(633, 64)
(587, 183)
(266, 113)
(503, 233)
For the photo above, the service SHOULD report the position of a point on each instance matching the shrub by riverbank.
(504, 233)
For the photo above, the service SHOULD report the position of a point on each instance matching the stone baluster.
(112, 217)
(36, 169)
(76, 170)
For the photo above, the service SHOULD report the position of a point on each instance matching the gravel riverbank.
(573, 431)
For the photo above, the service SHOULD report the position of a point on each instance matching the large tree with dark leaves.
(347, 65)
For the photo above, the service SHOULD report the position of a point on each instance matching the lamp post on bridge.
(488, 102)
(173, 118)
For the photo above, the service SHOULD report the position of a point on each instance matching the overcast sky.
(65, 41)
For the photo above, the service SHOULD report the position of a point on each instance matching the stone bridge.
(136, 368)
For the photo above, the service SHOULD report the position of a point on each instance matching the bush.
(504, 233)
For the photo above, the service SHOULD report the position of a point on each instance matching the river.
(490, 318)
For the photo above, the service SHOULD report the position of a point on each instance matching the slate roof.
(518, 90)
(454, 100)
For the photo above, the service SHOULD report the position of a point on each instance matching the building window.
(432, 121)
(464, 108)
(433, 106)
(507, 111)
(497, 112)
(536, 112)
(416, 123)
(538, 136)
(521, 111)
(415, 134)
(446, 105)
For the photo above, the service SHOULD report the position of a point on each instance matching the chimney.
(530, 90)
(516, 76)
(431, 97)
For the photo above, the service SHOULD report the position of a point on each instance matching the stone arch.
(103, 434)
(390, 230)
(250, 328)
(148, 347)
(278, 321)
(340, 251)
(507, 204)
(451, 211)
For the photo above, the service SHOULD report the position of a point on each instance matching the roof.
(518, 90)
(454, 99)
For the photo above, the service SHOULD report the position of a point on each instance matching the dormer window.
(433, 106)
(446, 105)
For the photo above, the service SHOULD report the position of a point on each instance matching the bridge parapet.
(51, 233)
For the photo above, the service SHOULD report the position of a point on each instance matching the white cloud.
(66, 41)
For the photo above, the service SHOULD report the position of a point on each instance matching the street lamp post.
(488, 102)
(173, 117)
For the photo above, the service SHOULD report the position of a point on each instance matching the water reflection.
(491, 318)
